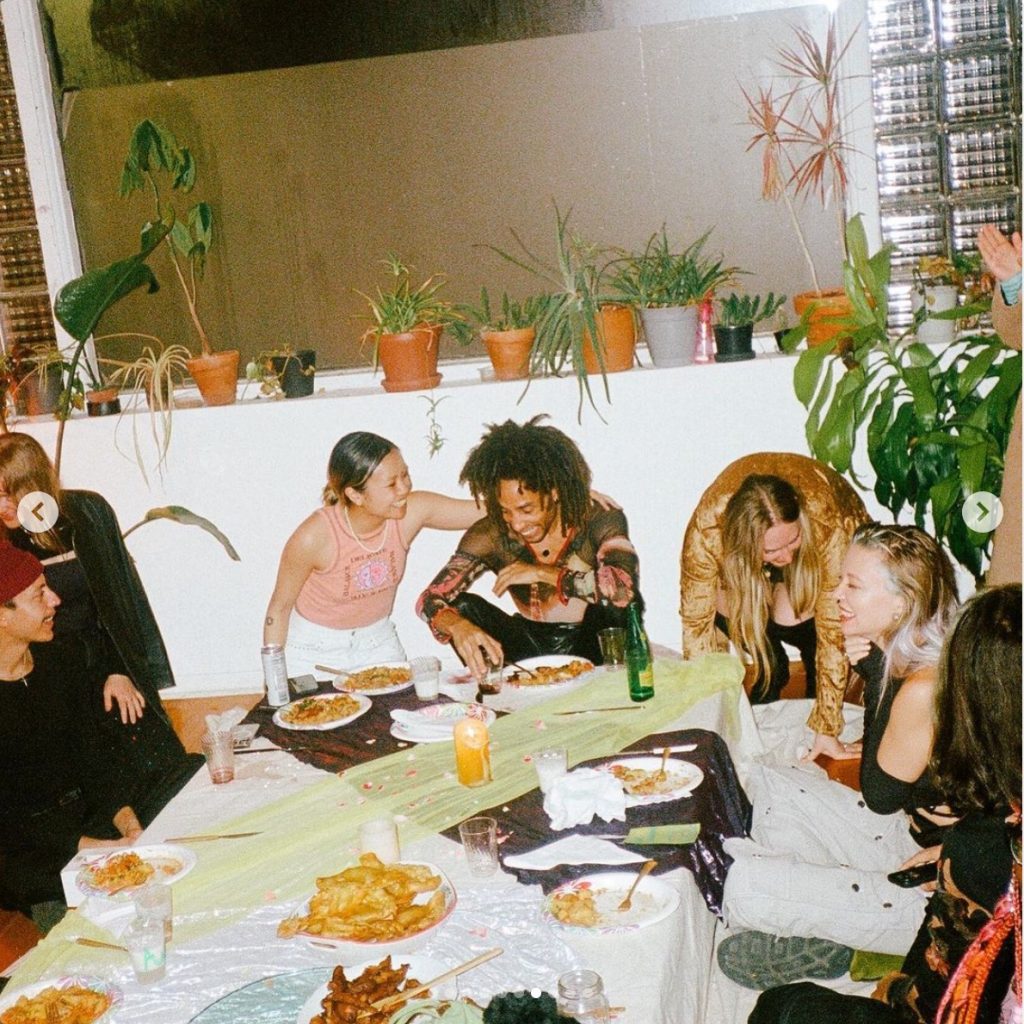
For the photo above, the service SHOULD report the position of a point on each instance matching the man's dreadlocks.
(540, 458)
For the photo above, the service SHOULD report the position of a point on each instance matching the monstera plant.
(934, 422)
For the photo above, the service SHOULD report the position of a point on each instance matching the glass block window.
(947, 103)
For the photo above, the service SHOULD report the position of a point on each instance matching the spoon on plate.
(645, 870)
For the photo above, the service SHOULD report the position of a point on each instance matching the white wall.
(256, 469)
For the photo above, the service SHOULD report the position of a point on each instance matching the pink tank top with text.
(358, 587)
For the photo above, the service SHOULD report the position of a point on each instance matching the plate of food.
(547, 670)
(373, 909)
(353, 990)
(123, 870)
(590, 904)
(375, 680)
(644, 781)
(75, 1000)
(323, 711)
(436, 722)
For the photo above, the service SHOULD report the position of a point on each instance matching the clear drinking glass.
(550, 764)
(492, 678)
(144, 938)
(380, 836)
(426, 673)
(154, 900)
(581, 995)
(480, 841)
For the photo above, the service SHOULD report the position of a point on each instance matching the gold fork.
(627, 901)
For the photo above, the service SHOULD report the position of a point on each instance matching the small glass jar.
(581, 995)
(144, 938)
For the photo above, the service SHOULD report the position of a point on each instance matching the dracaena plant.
(798, 129)
(934, 423)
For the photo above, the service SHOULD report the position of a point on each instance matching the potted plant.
(406, 328)
(37, 379)
(577, 312)
(283, 371)
(935, 423)
(803, 156)
(936, 290)
(734, 329)
(508, 333)
(667, 287)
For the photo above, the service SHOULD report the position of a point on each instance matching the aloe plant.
(742, 310)
(935, 424)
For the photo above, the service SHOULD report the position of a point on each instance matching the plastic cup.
(426, 677)
(154, 901)
(492, 678)
(219, 749)
(480, 842)
(147, 947)
(612, 642)
(550, 764)
(380, 836)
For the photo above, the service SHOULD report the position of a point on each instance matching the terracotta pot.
(102, 402)
(831, 311)
(510, 352)
(617, 328)
(409, 360)
(216, 376)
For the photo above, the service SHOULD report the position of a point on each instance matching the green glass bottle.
(639, 663)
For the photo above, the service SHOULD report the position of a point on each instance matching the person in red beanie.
(56, 793)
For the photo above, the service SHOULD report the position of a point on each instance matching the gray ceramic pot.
(670, 332)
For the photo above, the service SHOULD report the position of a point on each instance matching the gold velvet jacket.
(835, 511)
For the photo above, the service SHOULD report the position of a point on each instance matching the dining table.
(294, 810)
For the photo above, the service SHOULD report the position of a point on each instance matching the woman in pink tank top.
(341, 568)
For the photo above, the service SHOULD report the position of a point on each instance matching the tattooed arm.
(614, 578)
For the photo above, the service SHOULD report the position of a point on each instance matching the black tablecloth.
(718, 804)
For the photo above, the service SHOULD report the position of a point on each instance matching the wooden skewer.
(404, 997)
(208, 838)
(588, 711)
(96, 944)
(664, 761)
(332, 671)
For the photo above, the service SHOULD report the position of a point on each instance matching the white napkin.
(576, 797)
(415, 724)
(573, 849)
(114, 915)
(225, 721)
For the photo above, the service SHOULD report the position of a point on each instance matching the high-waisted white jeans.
(310, 644)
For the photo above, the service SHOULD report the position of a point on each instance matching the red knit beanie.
(18, 571)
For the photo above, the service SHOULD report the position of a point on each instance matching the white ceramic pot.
(670, 332)
(936, 299)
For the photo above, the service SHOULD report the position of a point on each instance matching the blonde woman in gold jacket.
(749, 556)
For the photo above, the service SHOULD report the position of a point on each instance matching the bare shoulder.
(917, 693)
(311, 542)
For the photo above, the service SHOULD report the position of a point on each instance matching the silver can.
(275, 674)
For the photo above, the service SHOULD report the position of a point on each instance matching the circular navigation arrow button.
(38, 512)
(982, 511)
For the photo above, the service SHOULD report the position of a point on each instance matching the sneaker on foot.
(758, 960)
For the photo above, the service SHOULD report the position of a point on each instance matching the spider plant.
(512, 315)
(658, 276)
(403, 308)
(804, 150)
(153, 375)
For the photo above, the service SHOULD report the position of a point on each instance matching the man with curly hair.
(567, 563)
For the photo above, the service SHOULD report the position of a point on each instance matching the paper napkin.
(576, 797)
(572, 850)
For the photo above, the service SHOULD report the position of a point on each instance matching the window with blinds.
(947, 106)
(26, 320)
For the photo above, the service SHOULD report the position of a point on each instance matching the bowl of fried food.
(371, 992)
(77, 1000)
(372, 908)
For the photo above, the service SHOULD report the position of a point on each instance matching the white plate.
(171, 863)
(653, 901)
(422, 968)
(9, 997)
(544, 661)
(360, 951)
(436, 715)
(341, 682)
(364, 706)
(690, 777)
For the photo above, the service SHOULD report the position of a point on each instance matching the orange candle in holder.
(472, 752)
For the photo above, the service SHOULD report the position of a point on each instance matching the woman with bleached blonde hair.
(761, 559)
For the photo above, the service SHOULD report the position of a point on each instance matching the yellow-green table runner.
(315, 832)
